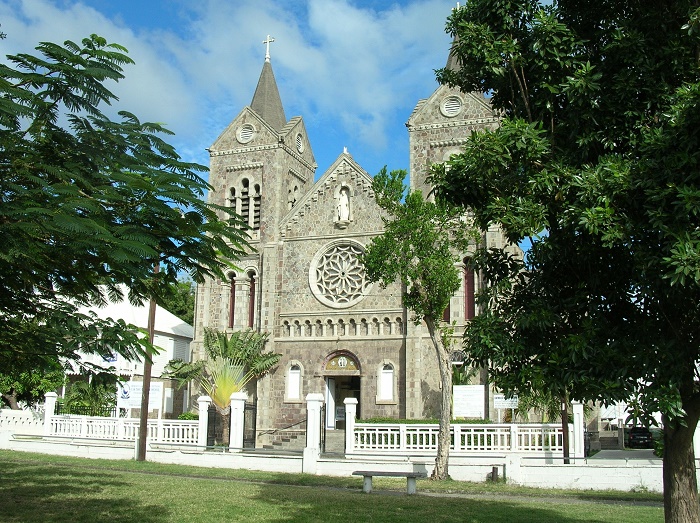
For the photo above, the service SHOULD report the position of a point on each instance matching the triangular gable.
(345, 169)
(432, 111)
(236, 135)
(294, 135)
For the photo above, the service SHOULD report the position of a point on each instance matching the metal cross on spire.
(267, 42)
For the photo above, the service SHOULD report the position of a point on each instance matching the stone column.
(237, 420)
(50, 399)
(578, 445)
(203, 403)
(313, 432)
(350, 415)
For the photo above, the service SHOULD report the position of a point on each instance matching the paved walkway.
(636, 454)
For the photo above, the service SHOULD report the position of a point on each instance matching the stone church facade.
(338, 334)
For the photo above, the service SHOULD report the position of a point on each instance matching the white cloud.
(356, 71)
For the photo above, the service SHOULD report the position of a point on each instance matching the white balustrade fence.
(184, 432)
(422, 438)
(22, 421)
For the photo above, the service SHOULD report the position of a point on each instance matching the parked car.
(640, 437)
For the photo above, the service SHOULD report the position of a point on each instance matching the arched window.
(245, 200)
(251, 300)
(469, 291)
(232, 300)
(256, 207)
(294, 381)
(385, 381)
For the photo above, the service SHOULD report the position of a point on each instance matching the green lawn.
(39, 488)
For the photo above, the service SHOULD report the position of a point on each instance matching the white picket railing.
(423, 438)
(184, 432)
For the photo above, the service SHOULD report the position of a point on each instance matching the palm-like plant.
(232, 362)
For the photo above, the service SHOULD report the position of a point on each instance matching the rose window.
(337, 277)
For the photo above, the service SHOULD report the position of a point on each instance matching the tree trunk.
(680, 481)
(226, 426)
(443, 450)
(11, 400)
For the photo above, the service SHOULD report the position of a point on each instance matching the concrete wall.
(621, 475)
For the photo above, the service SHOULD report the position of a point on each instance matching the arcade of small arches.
(318, 328)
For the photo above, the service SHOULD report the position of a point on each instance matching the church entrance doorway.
(342, 377)
(338, 388)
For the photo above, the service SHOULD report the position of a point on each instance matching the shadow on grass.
(59, 494)
(306, 504)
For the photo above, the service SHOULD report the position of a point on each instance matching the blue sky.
(353, 69)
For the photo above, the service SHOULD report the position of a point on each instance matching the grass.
(39, 488)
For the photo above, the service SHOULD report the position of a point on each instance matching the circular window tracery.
(336, 275)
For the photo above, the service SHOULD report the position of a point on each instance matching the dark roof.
(452, 62)
(266, 100)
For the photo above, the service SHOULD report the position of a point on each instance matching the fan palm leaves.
(225, 376)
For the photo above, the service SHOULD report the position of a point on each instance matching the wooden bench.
(369, 474)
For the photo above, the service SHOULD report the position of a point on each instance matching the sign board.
(501, 402)
(129, 395)
(468, 401)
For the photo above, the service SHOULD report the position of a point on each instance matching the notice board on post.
(468, 401)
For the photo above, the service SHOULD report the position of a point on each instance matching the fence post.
(579, 422)
(50, 399)
(237, 415)
(350, 415)
(312, 451)
(513, 438)
(203, 403)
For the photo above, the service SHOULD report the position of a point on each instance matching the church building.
(339, 335)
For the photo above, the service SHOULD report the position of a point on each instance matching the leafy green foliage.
(597, 161)
(232, 361)
(29, 387)
(88, 203)
(179, 300)
(418, 249)
(95, 396)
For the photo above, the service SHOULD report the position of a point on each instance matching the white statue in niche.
(343, 214)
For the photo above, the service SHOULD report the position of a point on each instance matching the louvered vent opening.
(300, 143)
(245, 133)
(452, 106)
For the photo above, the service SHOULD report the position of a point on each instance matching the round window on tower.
(451, 106)
(245, 133)
(300, 143)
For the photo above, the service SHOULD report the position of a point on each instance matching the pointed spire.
(452, 62)
(266, 100)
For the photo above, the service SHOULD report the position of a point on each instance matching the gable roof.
(166, 322)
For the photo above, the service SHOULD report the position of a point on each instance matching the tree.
(598, 150)
(231, 363)
(180, 300)
(29, 387)
(418, 249)
(88, 203)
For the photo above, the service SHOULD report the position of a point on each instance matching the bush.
(189, 416)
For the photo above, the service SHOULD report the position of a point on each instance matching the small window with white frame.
(294, 382)
(386, 383)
